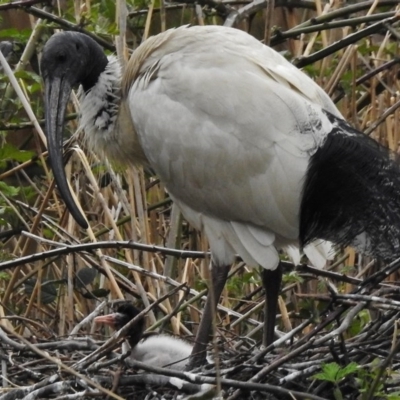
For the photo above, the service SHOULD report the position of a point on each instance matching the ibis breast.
(229, 126)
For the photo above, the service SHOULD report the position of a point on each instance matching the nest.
(322, 359)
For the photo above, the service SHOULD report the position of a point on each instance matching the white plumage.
(175, 89)
(251, 149)
(161, 351)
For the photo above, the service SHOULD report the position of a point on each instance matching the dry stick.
(67, 249)
(344, 325)
(34, 228)
(148, 21)
(21, 4)
(39, 130)
(114, 286)
(269, 22)
(101, 199)
(174, 235)
(374, 299)
(288, 336)
(369, 75)
(280, 36)
(382, 368)
(69, 345)
(350, 39)
(86, 320)
(345, 11)
(373, 279)
(382, 118)
(277, 363)
(194, 378)
(176, 309)
(172, 282)
(53, 388)
(88, 247)
(61, 365)
(21, 166)
(393, 31)
(21, 219)
(138, 196)
(244, 12)
(222, 7)
(328, 274)
(41, 390)
(153, 380)
(342, 66)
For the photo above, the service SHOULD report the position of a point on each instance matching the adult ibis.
(252, 151)
(156, 351)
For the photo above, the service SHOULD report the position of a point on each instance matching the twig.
(195, 378)
(235, 16)
(21, 4)
(64, 367)
(350, 39)
(279, 36)
(68, 249)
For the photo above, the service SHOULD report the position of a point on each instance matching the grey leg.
(218, 275)
(272, 285)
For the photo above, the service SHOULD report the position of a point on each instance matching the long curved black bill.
(57, 94)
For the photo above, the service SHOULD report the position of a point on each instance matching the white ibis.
(156, 351)
(252, 151)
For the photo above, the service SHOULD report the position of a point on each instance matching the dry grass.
(43, 299)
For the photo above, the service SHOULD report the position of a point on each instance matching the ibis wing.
(231, 139)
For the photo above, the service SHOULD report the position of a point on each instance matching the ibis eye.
(61, 57)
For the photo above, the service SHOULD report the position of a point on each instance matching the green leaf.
(48, 291)
(292, 277)
(10, 152)
(19, 34)
(347, 370)
(359, 322)
(334, 373)
(30, 76)
(8, 191)
(85, 276)
(4, 276)
(329, 372)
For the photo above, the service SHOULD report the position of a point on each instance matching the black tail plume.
(351, 194)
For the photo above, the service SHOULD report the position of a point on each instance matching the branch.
(154, 380)
(345, 11)
(68, 249)
(319, 55)
(22, 4)
(370, 75)
(244, 12)
(229, 383)
(296, 32)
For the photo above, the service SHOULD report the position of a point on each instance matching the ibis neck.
(100, 103)
(136, 334)
(106, 119)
